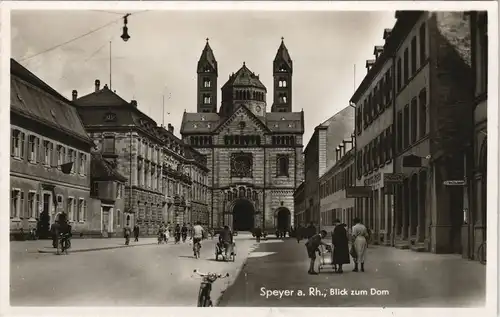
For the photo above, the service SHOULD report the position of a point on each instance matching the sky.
(159, 61)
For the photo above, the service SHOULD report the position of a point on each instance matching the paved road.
(412, 279)
(150, 275)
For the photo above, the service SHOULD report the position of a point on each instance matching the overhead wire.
(76, 38)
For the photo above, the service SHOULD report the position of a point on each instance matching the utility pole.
(110, 85)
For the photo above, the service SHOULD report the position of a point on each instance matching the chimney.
(170, 128)
(133, 103)
(377, 51)
(74, 94)
(387, 33)
(341, 149)
(97, 85)
(369, 64)
(337, 153)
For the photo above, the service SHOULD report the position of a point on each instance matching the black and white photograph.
(250, 155)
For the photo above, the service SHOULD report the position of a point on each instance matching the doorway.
(243, 215)
(283, 217)
(105, 221)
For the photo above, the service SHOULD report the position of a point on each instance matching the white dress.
(360, 232)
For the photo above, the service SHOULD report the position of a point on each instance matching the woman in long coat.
(360, 236)
(340, 242)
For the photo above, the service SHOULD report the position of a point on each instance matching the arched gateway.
(243, 215)
(283, 219)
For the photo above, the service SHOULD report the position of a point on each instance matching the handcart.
(231, 252)
(326, 258)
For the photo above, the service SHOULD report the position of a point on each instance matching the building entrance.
(243, 215)
(283, 219)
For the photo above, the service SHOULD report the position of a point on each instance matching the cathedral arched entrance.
(283, 218)
(243, 215)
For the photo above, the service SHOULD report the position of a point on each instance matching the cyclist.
(198, 233)
(226, 239)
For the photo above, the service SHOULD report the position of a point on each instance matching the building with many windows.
(432, 96)
(374, 102)
(254, 154)
(299, 201)
(320, 154)
(155, 162)
(334, 203)
(50, 158)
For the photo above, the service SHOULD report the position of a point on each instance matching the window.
(381, 148)
(406, 68)
(81, 209)
(388, 87)
(47, 152)
(414, 120)
(207, 99)
(34, 144)
(282, 98)
(282, 162)
(207, 83)
(359, 119)
(413, 55)
(399, 133)
(359, 163)
(71, 209)
(32, 205)
(61, 155)
(15, 203)
(109, 145)
(423, 112)
(399, 77)
(406, 127)
(282, 83)
(18, 144)
(82, 163)
(71, 156)
(423, 42)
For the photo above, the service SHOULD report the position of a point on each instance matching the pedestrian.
(312, 246)
(340, 242)
(359, 237)
(126, 234)
(136, 233)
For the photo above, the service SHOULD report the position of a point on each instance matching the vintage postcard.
(267, 154)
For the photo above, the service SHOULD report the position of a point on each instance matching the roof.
(199, 122)
(245, 77)
(207, 56)
(32, 98)
(283, 56)
(102, 170)
(291, 122)
(102, 97)
(277, 122)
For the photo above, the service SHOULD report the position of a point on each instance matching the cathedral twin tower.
(244, 87)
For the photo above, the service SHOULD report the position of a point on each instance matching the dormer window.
(207, 69)
(282, 68)
(282, 83)
(202, 118)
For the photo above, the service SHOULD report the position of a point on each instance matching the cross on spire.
(282, 38)
(207, 39)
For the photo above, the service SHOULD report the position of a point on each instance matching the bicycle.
(206, 287)
(481, 253)
(64, 243)
(197, 247)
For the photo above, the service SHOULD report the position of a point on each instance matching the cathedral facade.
(254, 155)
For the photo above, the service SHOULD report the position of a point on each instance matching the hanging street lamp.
(125, 37)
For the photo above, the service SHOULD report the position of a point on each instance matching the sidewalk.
(77, 245)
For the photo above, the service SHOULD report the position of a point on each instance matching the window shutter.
(84, 210)
(39, 146)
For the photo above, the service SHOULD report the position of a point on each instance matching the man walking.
(136, 233)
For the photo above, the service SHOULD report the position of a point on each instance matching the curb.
(98, 248)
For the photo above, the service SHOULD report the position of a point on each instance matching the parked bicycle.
(481, 253)
(206, 287)
(64, 243)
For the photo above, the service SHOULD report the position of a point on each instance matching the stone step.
(403, 245)
(419, 247)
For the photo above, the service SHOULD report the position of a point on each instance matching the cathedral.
(254, 155)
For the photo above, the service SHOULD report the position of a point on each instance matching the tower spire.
(207, 80)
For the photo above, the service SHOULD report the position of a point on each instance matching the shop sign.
(358, 192)
(393, 178)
